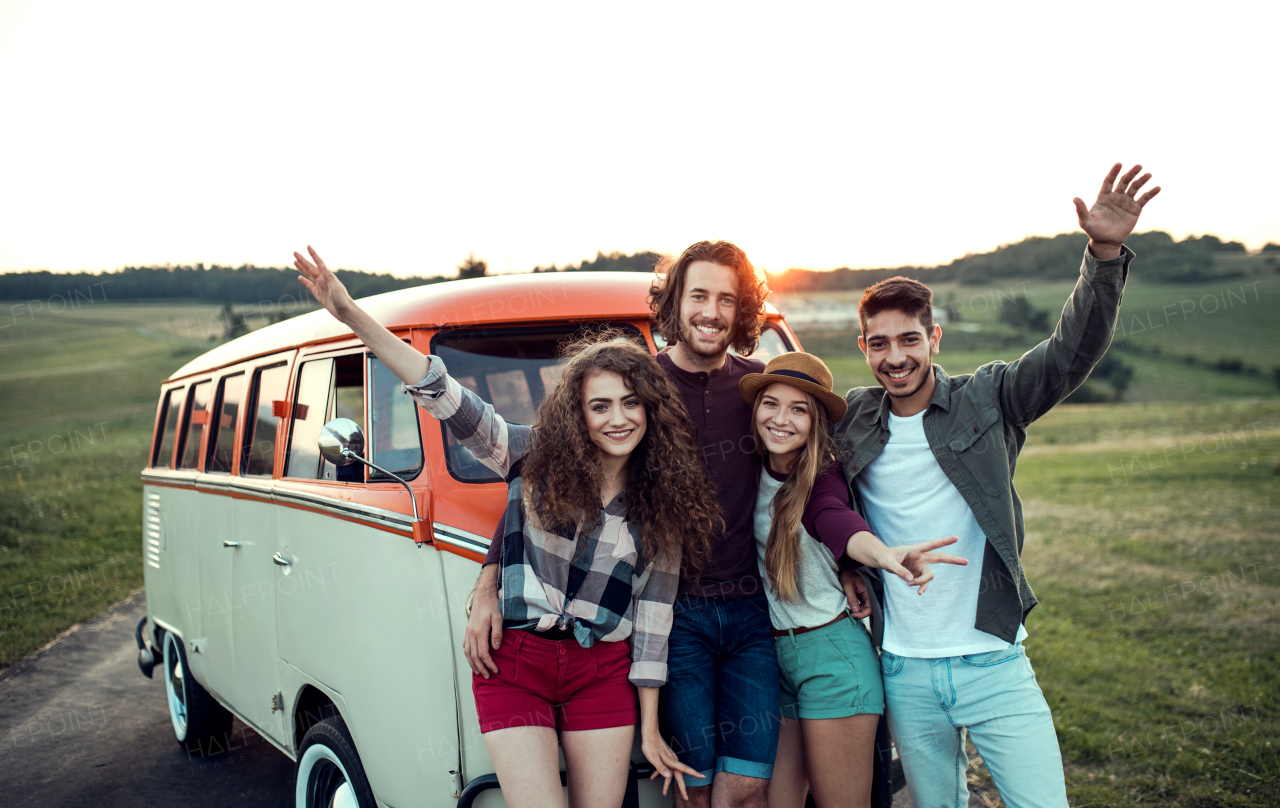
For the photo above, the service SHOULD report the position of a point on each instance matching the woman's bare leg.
(790, 782)
(839, 755)
(598, 762)
(527, 761)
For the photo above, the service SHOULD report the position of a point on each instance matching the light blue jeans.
(931, 702)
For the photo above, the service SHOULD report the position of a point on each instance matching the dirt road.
(81, 726)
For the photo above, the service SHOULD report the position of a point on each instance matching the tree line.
(1193, 259)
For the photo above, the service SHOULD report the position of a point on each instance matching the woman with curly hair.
(607, 494)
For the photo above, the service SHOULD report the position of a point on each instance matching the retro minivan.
(323, 604)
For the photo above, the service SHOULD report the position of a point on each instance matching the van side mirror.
(338, 436)
(342, 443)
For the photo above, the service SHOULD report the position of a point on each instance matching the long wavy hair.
(667, 292)
(667, 487)
(782, 552)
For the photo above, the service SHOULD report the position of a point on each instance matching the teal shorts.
(830, 672)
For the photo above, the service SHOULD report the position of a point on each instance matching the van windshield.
(510, 368)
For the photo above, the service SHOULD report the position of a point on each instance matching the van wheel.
(330, 774)
(200, 723)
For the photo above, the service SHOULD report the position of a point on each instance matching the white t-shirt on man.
(908, 499)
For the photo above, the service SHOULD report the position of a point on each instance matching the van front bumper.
(146, 658)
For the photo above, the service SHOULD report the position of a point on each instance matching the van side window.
(170, 414)
(397, 441)
(258, 455)
(222, 435)
(197, 417)
(771, 344)
(327, 389)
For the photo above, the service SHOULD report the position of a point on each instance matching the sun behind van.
(300, 595)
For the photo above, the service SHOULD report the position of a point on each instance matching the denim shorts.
(830, 672)
(720, 704)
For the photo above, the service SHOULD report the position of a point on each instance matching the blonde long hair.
(782, 552)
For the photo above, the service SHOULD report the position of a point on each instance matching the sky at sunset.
(400, 137)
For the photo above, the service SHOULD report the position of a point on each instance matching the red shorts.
(557, 684)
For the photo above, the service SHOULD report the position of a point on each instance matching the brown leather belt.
(782, 632)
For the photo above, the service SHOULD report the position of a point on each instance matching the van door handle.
(281, 560)
(230, 543)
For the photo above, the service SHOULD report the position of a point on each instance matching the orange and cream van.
(304, 597)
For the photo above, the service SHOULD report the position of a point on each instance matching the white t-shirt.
(908, 499)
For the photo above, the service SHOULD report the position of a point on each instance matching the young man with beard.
(927, 454)
(721, 702)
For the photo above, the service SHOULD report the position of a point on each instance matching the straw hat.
(802, 371)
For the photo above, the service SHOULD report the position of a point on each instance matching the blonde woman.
(805, 532)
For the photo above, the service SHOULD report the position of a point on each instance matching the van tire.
(201, 725)
(328, 764)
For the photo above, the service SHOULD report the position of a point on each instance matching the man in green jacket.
(929, 455)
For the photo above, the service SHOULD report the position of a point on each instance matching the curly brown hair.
(667, 292)
(667, 487)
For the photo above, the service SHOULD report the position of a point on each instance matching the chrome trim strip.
(267, 490)
(461, 538)
(169, 476)
(225, 484)
(366, 513)
(262, 487)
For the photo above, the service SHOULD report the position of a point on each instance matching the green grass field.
(1151, 546)
(78, 392)
(1150, 532)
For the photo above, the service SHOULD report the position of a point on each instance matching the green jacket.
(976, 425)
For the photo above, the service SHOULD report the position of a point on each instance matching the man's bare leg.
(739, 791)
(699, 797)
(730, 791)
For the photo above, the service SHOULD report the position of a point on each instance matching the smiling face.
(783, 419)
(615, 415)
(900, 354)
(708, 310)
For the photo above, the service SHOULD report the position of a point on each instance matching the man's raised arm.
(1031, 385)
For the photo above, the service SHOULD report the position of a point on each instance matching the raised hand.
(910, 562)
(322, 283)
(402, 358)
(1114, 215)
